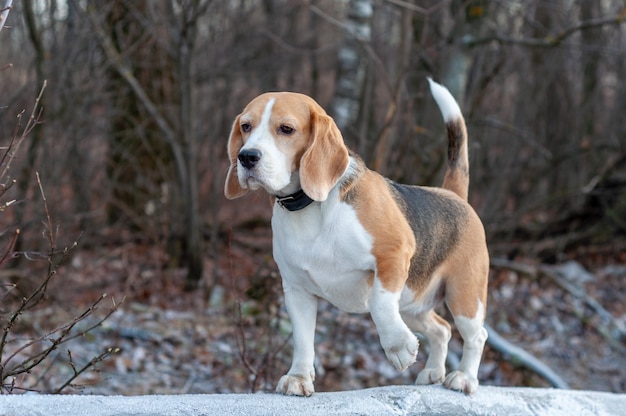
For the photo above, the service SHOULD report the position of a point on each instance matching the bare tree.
(171, 141)
(540, 83)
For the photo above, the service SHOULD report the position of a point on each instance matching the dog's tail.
(456, 178)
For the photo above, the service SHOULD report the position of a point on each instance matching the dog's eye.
(286, 129)
(246, 127)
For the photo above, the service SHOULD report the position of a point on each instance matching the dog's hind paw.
(295, 385)
(431, 376)
(460, 381)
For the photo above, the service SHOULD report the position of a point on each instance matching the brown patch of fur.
(326, 158)
(232, 189)
(394, 242)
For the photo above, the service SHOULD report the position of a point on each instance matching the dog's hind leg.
(474, 335)
(437, 333)
(465, 296)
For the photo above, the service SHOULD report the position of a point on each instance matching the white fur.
(324, 251)
(398, 341)
(474, 335)
(447, 104)
(302, 310)
(273, 170)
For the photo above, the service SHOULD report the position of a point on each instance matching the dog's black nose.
(249, 158)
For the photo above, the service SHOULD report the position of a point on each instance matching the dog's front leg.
(302, 310)
(399, 343)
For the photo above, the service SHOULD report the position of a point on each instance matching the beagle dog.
(345, 233)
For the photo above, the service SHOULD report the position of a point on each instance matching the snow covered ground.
(392, 400)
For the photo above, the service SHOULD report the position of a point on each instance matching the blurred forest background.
(128, 140)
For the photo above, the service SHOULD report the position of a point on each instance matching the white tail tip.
(447, 104)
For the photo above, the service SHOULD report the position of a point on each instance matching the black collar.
(294, 202)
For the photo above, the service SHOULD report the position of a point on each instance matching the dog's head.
(283, 142)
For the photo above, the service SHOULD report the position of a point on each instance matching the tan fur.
(326, 158)
(466, 270)
(232, 189)
(394, 243)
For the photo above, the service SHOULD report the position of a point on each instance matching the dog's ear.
(325, 160)
(232, 188)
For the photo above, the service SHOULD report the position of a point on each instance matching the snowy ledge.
(392, 400)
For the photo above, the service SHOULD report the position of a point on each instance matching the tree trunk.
(386, 140)
(458, 59)
(352, 64)
(139, 160)
(193, 234)
(146, 152)
(25, 176)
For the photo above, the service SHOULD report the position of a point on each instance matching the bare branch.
(549, 41)
(95, 360)
(18, 137)
(426, 11)
(117, 62)
(522, 357)
(8, 254)
(365, 44)
(5, 8)
(51, 235)
(578, 292)
(62, 335)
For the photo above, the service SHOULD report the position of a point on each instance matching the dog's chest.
(327, 252)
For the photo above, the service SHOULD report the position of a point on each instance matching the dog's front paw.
(431, 376)
(295, 385)
(458, 380)
(402, 352)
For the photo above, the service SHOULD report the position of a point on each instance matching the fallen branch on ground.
(521, 357)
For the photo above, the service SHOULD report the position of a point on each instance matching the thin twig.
(116, 61)
(51, 235)
(33, 121)
(8, 254)
(13, 319)
(63, 336)
(426, 11)
(549, 41)
(63, 331)
(5, 8)
(95, 360)
(241, 341)
(365, 44)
